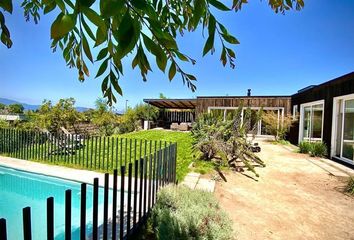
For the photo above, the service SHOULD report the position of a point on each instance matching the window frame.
(301, 120)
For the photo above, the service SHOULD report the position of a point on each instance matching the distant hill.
(32, 107)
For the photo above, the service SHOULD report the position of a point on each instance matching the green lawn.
(104, 155)
(184, 146)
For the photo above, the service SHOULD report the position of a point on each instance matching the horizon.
(302, 48)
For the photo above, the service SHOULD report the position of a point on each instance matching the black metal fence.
(91, 152)
(137, 183)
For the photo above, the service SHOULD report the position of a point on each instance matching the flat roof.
(187, 103)
(330, 83)
(274, 96)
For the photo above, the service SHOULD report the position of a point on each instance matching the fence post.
(135, 191)
(27, 230)
(145, 182)
(112, 154)
(150, 172)
(129, 197)
(95, 210)
(117, 144)
(154, 179)
(105, 205)
(104, 149)
(68, 214)
(99, 153)
(3, 234)
(87, 150)
(121, 228)
(83, 212)
(50, 218)
(175, 163)
(141, 188)
(114, 207)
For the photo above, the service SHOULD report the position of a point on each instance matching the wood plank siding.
(343, 85)
(235, 101)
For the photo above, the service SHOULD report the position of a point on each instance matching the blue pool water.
(19, 189)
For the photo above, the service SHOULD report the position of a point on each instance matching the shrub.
(350, 186)
(304, 147)
(182, 213)
(315, 149)
(226, 140)
(273, 127)
(318, 149)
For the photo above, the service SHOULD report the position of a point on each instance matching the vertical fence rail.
(50, 218)
(3, 231)
(145, 167)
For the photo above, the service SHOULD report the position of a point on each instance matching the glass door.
(348, 130)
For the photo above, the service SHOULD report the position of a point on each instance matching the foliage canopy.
(142, 27)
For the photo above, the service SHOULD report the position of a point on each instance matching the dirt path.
(292, 199)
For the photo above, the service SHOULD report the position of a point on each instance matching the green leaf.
(49, 7)
(161, 58)
(104, 84)
(199, 9)
(102, 54)
(230, 39)
(115, 84)
(223, 57)
(101, 37)
(208, 45)
(86, 3)
(62, 25)
(88, 29)
(6, 5)
(111, 8)
(86, 47)
(127, 34)
(172, 71)
(139, 4)
(94, 18)
(102, 68)
(61, 5)
(219, 5)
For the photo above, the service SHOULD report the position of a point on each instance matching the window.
(311, 121)
(343, 128)
(295, 112)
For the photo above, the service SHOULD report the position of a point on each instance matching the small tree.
(104, 118)
(15, 108)
(62, 114)
(276, 128)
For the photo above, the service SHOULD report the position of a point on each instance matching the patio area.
(295, 197)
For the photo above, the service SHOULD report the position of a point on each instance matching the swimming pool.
(19, 189)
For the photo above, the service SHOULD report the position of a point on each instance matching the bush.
(350, 187)
(315, 149)
(318, 149)
(226, 141)
(273, 127)
(304, 147)
(182, 213)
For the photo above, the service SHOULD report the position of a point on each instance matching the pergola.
(173, 103)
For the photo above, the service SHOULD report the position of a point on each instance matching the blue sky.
(278, 55)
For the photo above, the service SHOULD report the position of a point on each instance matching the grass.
(184, 146)
(98, 153)
(100, 156)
